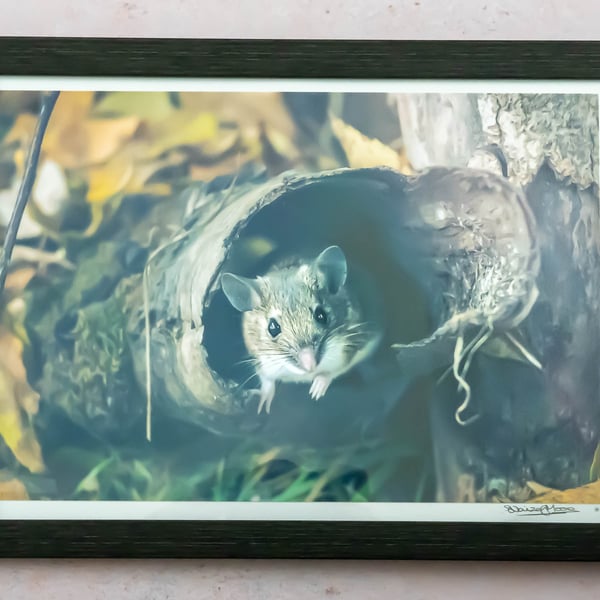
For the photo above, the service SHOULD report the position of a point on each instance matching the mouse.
(303, 321)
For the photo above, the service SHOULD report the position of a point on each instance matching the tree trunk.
(541, 426)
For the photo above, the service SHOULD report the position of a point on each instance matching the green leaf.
(150, 106)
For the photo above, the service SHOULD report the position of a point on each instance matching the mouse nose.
(307, 359)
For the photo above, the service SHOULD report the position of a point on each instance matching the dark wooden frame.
(289, 539)
(300, 59)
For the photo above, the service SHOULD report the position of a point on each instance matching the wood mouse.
(304, 322)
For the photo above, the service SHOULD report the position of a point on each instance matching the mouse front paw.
(265, 396)
(319, 386)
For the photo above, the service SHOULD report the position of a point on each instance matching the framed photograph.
(299, 299)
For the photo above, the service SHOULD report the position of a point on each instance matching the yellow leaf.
(586, 494)
(100, 211)
(13, 489)
(264, 126)
(21, 131)
(595, 467)
(19, 158)
(71, 106)
(109, 179)
(10, 421)
(144, 170)
(18, 403)
(73, 139)
(538, 488)
(246, 109)
(122, 174)
(17, 280)
(97, 216)
(180, 130)
(258, 246)
(158, 189)
(85, 143)
(149, 106)
(362, 151)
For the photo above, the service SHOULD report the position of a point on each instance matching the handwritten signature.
(539, 509)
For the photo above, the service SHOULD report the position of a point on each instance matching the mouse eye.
(274, 328)
(320, 315)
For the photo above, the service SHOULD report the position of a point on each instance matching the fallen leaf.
(181, 129)
(263, 124)
(17, 432)
(13, 489)
(586, 494)
(21, 131)
(17, 280)
(595, 467)
(89, 142)
(99, 211)
(245, 109)
(149, 106)
(115, 146)
(18, 404)
(109, 179)
(363, 152)
(122, 174)
(73, 139)
(538, 488)
(72, 106)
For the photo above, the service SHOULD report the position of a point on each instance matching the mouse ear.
(331, 264)
(243, 293)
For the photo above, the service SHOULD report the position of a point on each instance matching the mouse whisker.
(248, 379)
(277, 359)
(335, 331)
(354, 333)
(246, 361)
(361, 326)
(348, 335)
(275, 355)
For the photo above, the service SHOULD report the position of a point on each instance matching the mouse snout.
(307, 358)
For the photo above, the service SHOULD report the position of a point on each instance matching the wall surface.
(300, 580)
(297, 580)
(427, 19)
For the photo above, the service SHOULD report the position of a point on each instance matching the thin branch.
(48, 102)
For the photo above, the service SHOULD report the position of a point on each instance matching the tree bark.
(542, 426)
